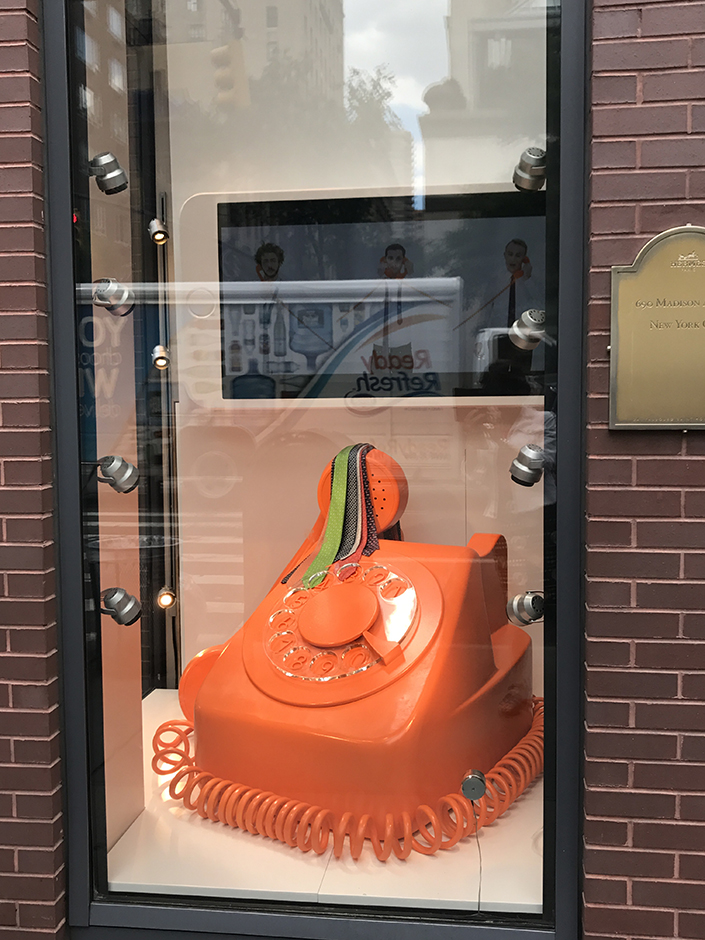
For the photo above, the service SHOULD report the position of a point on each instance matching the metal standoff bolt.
(526, 608)
(528, 331)
(474, 785)
(530, 172)
(527, 467)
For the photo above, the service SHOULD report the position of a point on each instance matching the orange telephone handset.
(517, 274)
(363, 696)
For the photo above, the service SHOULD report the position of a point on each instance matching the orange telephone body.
(375, 694)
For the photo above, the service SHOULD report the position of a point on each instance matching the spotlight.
(109, 175)
(530, 172)
(121, 475)
(166, 598)
(161, 357)
(528, 331)
(474, 785)
(115, 297)
(158, 232)
(525, 608)
(527, 466)
(124, 608)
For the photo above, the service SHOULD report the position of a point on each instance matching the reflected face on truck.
(270, 265)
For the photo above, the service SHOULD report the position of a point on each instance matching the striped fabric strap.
(334, 524)
(370, 543)
(350, 530)
(367, 542)
(353, 506)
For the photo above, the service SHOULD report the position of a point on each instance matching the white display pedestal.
(170, 850)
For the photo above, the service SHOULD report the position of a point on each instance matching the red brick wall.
(30, 824)
(645, 772)
(645, 769)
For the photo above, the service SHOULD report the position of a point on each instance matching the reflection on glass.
(440, 96)
(424, 305)
(349, 261)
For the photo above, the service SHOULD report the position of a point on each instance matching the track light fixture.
(115, 297)
(527, 466)
(161, 357)
(109, 175)
(124, 608)
(118, 473)
(523, 609)
(528, 331)
(530, 172)
(158, 232)
(166, 598)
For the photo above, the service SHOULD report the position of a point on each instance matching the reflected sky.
(409, 37)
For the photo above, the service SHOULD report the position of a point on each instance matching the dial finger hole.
(357, 657)
(318, 581)
(376, 575)
(325, 664)
(296, 598)
(281, 642)
(282, 620)
(349, 572)
(395, 587)
(297, 660)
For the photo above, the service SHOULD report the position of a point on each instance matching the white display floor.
(170, 850)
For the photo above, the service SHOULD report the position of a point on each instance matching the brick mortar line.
(692, 582)
(645, 791)
(648, 487)
(23, 254)
(603, 876)
(597, 517)
(642, 40)
(637, 935)
(40, 545)
(22, 571)
(634, 138)
(639, 670)
(653, 4)
(623, 237)
(620, 550)
(629, 759)
(631, 700)
(10, 654)
(698, 611)
(22, 487)
(22, 104)
(647, 203)
(658, 104)
(674, 458)
(20, 73)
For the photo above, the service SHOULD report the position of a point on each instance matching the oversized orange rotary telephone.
(371, 677)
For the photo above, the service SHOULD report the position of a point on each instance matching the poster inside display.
(343, 308)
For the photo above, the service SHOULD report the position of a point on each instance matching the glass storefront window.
(316, 320)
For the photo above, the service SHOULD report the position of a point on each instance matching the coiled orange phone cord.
(310, 827)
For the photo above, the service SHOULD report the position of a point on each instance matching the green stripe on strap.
(334, 525)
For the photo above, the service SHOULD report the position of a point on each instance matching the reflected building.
(259, 100)
(252, 35)
(493, 103)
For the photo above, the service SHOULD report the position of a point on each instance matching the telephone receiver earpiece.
(388, 488)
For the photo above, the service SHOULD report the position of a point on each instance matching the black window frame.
(102, 919)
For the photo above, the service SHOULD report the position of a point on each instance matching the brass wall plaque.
(657, 367)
